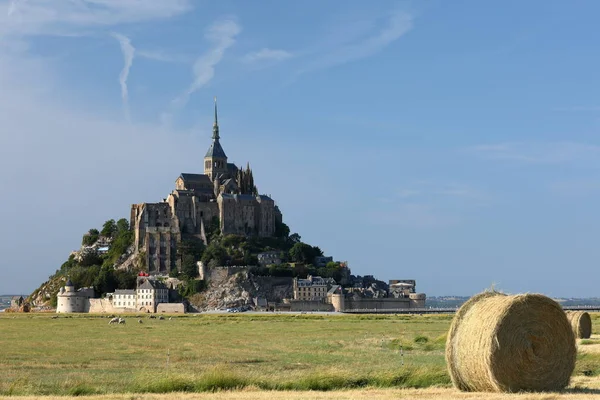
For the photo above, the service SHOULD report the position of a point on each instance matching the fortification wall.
(70, 302)
(102, 306)
(310, 305)
(377, 304)
(222, 273)
(171, 308)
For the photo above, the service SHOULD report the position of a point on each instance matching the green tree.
(190, 246)
(90, 258)
(122, 225)
(189, 268)
(213, 230)
(91, 237)
(120, 243)
(109, 228)
(295, 238)
(305, 253)
(216, 253)
(105, 281)
(125, 279)
(281, 230)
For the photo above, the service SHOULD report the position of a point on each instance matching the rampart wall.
(171, 308)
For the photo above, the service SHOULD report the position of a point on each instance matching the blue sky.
(455, 143)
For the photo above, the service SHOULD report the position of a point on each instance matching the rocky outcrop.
(42, 296)
(240, 288)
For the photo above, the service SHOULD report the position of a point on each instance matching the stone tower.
(215, 160)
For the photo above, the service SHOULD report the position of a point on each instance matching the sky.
(455, 143)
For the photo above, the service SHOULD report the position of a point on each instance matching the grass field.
(83, 355)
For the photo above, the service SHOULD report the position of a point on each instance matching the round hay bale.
(500, 343)
(581, 323)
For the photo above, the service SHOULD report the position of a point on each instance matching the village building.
(312, 288)
(150, 293)
(321, 261)
(125, 298)
(269, 258)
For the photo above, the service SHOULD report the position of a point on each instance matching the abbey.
(223, 193)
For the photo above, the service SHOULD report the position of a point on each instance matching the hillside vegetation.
(115, 266)
(93, 268)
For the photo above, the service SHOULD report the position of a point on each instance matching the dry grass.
(246, 355)
(593, 392)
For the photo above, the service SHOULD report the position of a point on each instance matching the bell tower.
(215, 160)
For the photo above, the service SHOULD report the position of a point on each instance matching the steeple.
(215, 160)
(216, 124)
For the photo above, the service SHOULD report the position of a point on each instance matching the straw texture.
(500, 343)
(581, 323)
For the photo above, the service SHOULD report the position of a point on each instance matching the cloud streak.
(12, 7)
(128, 54)
(398, 24)
(38, 17)
(267, 54)
(221, 35)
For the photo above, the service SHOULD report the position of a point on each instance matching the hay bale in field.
(581, 323)
(500, 343)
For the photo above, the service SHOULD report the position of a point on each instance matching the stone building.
(70, 300)
(312, 288)
(124, 299)
(146, 297)
(219, 194)
(151, 293)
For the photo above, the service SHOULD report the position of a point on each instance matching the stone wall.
(101, 306)
(377, 304)
(105, 306)
(310, 305)
(171, 308)
(221, 273)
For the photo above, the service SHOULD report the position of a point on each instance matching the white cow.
(114, 321)
(121, 321)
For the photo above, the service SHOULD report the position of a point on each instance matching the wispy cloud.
(12, 7)
(538, 152)
(221, 35)
(66, 16)
(267, 54)
(128, 54)
(398, 24)
(159, 55)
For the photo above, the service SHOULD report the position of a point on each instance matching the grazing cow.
(170, 318)
(115, 320)
(161, 317)
(121, 321)
(140, 321)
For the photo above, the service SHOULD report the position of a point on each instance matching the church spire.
(216, 124)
